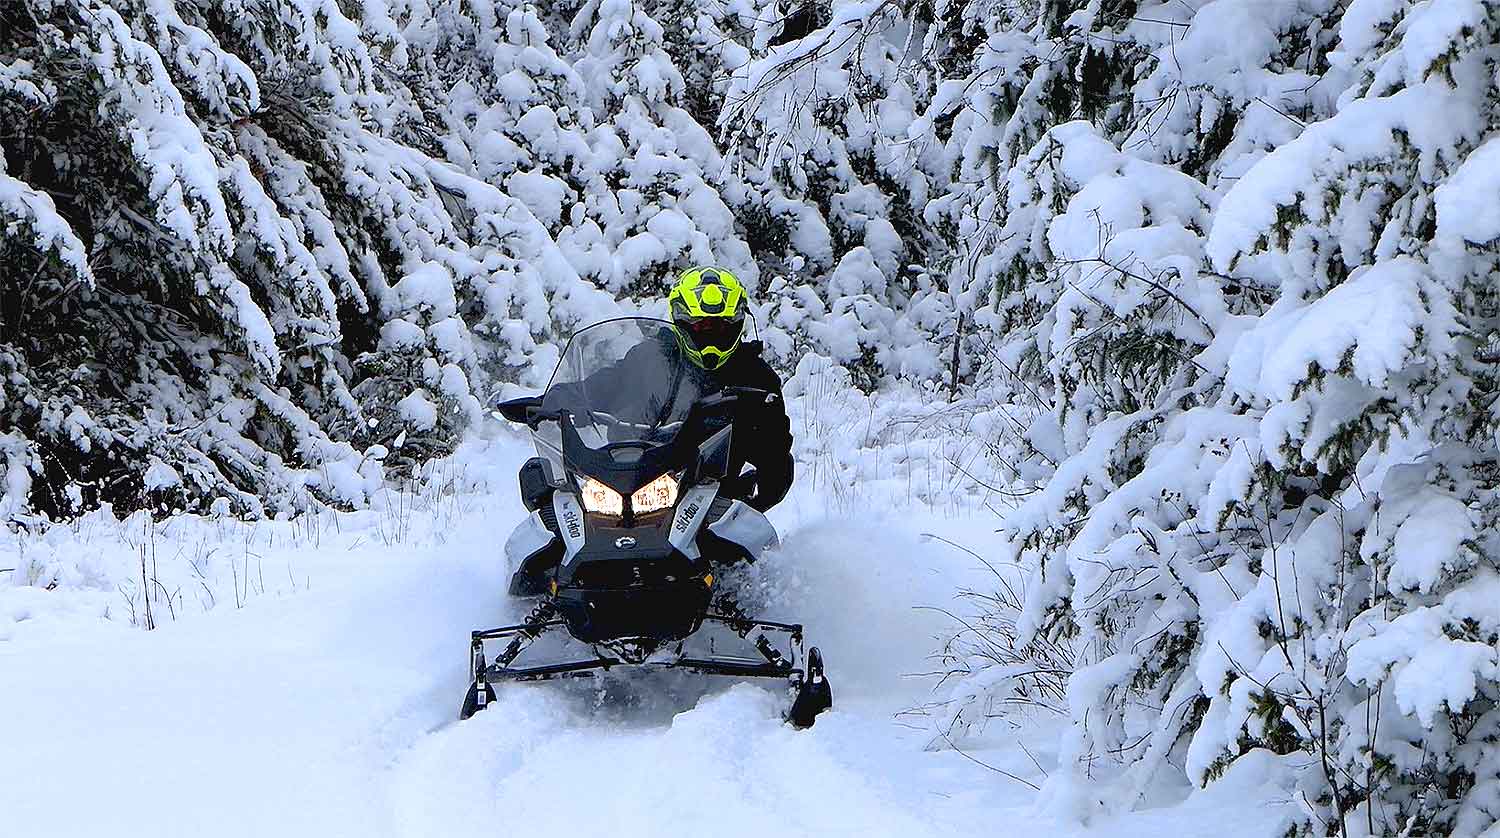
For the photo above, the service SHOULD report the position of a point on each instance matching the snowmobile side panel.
(746, 526)
(527, 539)
(691, 511)
(570, 522)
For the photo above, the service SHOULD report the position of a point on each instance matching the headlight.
(660, 493)
(599, 498)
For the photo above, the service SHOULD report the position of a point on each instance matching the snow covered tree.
(175, 246)
(1261, 507)
(1376, 388)
(654, 206)
(231, 257)
(819, 125)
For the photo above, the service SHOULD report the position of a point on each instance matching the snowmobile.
(630, 530)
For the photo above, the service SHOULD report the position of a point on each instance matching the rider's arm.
(770, 450)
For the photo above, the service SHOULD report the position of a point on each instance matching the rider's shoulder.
(754, 370)
(752, 357)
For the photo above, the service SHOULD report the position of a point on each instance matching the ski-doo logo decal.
(690, 517)
(570, 521)
(687, 515)
(624, 542)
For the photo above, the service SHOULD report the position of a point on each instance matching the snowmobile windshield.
(623, 390)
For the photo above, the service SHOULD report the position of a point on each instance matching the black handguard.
(518, 410)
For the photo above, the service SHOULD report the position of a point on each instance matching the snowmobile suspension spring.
(531, 628)
(734, 616)
(544, 611)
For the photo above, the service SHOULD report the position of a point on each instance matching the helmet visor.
(713, 332)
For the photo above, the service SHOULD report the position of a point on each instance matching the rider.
(707, 309)
(708, 316)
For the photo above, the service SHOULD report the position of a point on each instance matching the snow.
(305, 677)
(1466, 205)
(50, 231)
(428, 289)
(1360, 29)
(418, 411)
(161, 476)
(1371, 321)
(1428, 543)
(541, 194)
(1436, 672)
(1431, 116)
(1434, 28)
(16, 474)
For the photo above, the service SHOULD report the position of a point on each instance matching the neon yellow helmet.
(708, 310)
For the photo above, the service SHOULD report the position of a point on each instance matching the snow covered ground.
(305, 678)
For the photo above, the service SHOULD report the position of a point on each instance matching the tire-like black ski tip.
(471, 700)
(814, 695)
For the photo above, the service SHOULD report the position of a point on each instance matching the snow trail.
(548, 755)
